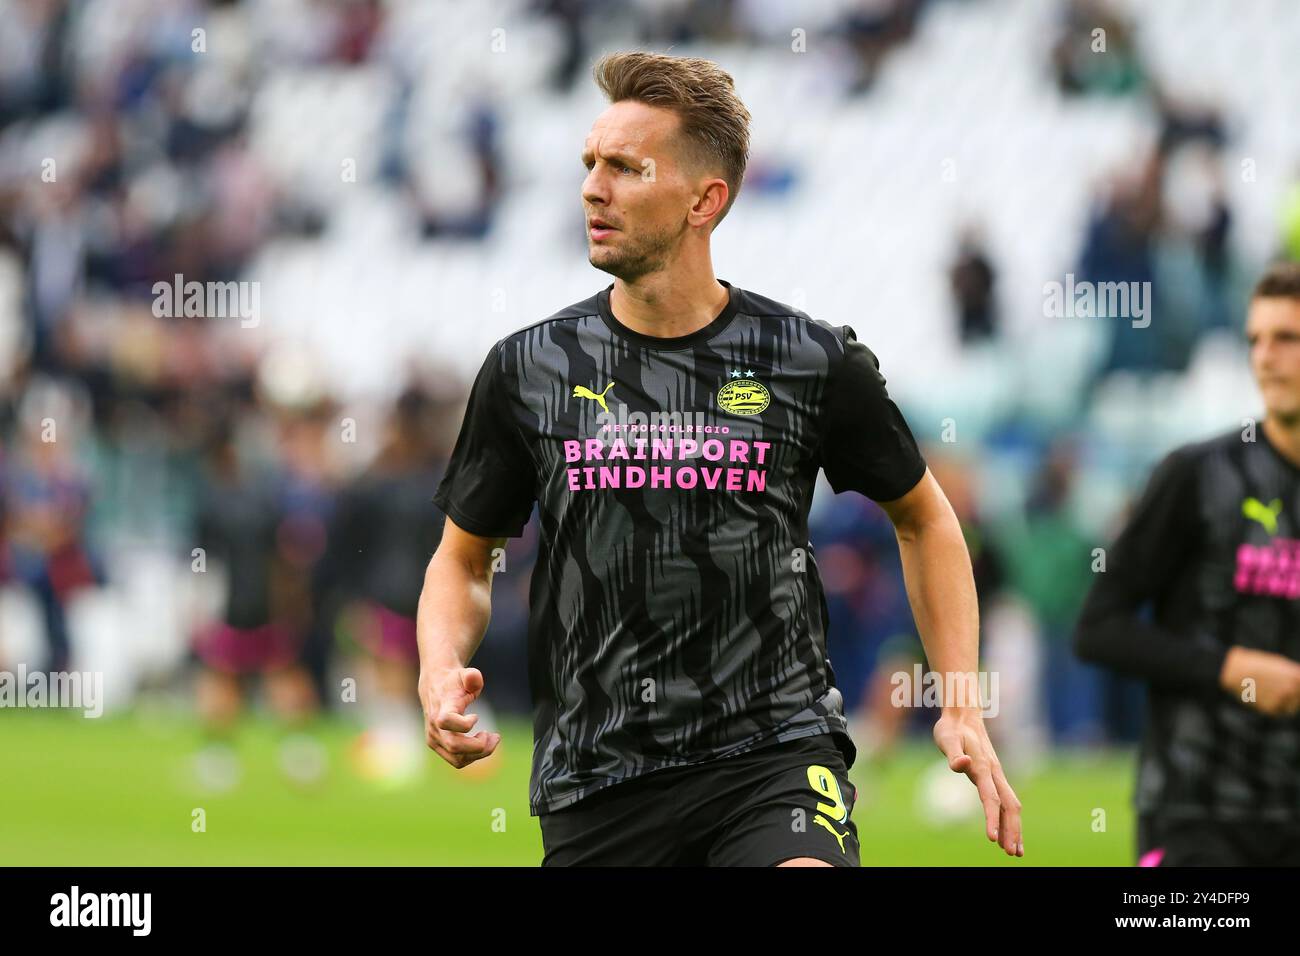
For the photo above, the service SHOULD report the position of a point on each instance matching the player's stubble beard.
(1288, 418)
(1283, 405)
(638, 256)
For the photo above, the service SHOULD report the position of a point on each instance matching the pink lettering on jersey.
(1269, 570)
(681, 464)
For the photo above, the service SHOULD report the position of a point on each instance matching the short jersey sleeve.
(866, 445)
(489, 486)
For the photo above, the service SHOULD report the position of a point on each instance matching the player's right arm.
(455, 606)
(487, 493)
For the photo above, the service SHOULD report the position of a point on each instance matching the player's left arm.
(941, 590)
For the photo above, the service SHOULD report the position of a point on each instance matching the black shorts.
(1209, 842)
(780, 801)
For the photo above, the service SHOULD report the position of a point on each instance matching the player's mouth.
(599, 229)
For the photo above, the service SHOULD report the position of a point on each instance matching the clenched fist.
(444, 695)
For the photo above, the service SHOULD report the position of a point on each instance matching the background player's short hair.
(714, 122)
(1281, 280)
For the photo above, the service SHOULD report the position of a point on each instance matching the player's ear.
(710, 201)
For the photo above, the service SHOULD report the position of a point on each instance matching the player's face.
(1273, 332)
(636, 195)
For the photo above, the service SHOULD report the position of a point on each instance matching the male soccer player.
(1213, 546)
(671, 428)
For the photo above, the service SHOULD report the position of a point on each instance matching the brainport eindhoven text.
(743, 468)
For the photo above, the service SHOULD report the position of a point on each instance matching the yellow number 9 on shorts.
(824, 782)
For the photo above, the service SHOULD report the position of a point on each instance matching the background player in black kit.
(1213, 546)
(383, 530)
(670, 429)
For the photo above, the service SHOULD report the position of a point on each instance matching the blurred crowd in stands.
(189, 438)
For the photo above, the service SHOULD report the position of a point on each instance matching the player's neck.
(1285, 437)
(669, 304)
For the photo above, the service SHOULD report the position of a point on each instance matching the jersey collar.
(669, 343)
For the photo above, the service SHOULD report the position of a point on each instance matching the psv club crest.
(742, 395)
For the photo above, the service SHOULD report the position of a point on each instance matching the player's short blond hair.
(1281, 280)
(714, 122)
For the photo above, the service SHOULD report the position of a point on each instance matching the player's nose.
(594, 190)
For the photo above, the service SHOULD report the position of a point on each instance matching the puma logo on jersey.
(1256, 510)
(839, 837)
(581, 391)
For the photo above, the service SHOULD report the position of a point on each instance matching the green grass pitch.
(119, 791)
